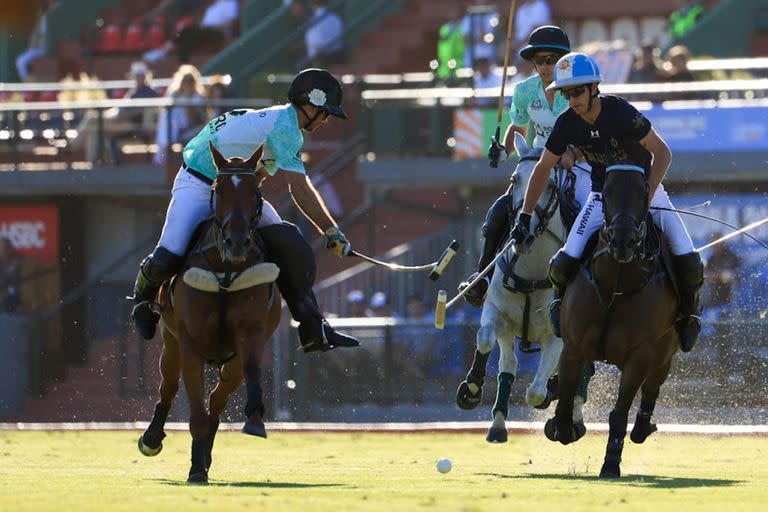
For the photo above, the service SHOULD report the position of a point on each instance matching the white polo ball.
(444, 465)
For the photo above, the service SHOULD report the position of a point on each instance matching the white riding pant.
(189, 206)
(583, 182)
(591, 217)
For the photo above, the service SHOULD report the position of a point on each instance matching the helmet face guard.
(575, 69)
(319, 88)
(547, 38)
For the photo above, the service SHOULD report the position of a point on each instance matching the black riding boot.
(286, 247)
(153, 272)
(495, 229)
(562, 268)
(689, 276)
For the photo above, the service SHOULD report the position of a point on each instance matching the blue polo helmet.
(575, 69)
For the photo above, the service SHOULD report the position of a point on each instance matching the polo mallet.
(442, 296)
(739, 231)
(436, 267)
(495, 161)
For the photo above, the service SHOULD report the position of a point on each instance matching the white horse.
(520, 307)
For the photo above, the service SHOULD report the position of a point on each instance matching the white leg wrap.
(189, 206)
(589, 220)
(671, 224)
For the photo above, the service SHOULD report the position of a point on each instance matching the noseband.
(252, 222)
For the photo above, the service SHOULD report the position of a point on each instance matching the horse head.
(237, 207)
(546, 207)
(625, 200)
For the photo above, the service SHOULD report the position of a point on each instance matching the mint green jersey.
(240, 132)
(529, 104)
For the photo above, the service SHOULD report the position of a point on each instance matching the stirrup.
(554, 315)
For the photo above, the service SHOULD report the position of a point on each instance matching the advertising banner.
(33, 229)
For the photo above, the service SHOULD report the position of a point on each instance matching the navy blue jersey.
(614, 138)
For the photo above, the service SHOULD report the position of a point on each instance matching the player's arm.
(309, 200)
(662, 157)
(538, 182)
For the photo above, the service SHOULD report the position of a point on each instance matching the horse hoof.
(545, 403)
(550, 429)
(149, 451)
(465, 399)
(255, 428)
(610, 471)
(199, 477)
(496, 435)
(579, 429)
(641, 431)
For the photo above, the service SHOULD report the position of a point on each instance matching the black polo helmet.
(319, 88)
(548, 37)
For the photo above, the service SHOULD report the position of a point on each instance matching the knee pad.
(562, 268)
(160, 266)
(497, 220)
(287, 248)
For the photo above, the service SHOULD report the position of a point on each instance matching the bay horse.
(620, 308)
(517, 304)
(221, 309)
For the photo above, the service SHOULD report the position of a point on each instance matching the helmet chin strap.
(592, 96)
(312, 119)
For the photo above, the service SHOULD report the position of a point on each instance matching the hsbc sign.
(32, 229)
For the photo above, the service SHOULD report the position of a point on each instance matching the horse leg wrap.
(502, 394)
(155, 434)
(589, 372)
(255, 402)
(213, 427)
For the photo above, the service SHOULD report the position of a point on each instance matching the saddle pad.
(207, 281)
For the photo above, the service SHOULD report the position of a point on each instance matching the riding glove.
(337, 243)
(497, 152)
(522, 228)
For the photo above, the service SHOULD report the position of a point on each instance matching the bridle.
(220, 226)
(544, 213)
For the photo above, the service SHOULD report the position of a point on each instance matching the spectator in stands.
(36, 47)
(450, 47)
(529, 15)
(222, 15)
(646, 69)
(10, 277)
(218, 89)
(183, 122)
(722, 267)
(132, 123)
(217, 24)
(479, 27)
(380, 307)
(355, 304)
(486, 76)
(325, 36)
(676, 65)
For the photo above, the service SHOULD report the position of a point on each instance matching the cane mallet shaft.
(442, 298)
(444, 260)
(495, 161)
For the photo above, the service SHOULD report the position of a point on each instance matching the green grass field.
(103, 471)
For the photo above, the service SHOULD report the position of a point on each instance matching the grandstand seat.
(156, 37)
(48, 95)
(111, 38)
(135, 40)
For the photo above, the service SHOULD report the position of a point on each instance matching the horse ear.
(253, 161)
(218, 158)
(520, 145)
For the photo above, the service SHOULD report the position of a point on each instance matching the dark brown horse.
(222, 309)
(620, 309)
